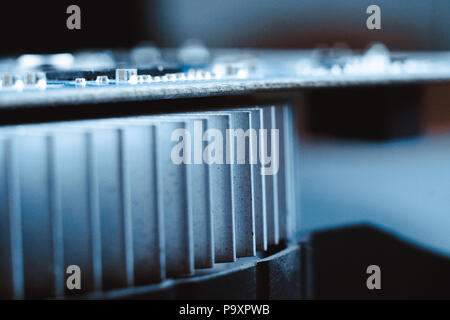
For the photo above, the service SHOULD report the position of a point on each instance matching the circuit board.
(149, 73)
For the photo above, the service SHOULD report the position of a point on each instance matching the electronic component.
(137, 205)
(133, 159)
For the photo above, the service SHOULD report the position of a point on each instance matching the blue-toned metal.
(197, 182)
(105, 195)
(11, 260)
(258, 185)
(270, 182)
(220, 193)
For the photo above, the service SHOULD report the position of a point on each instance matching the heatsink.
(107, 196)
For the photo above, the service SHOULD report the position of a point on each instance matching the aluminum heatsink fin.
(220, 185)
(270, 181)
(283, 213)
(6, 259)
(94, 215)
(199, 186)
(108, 169)
(40, 217)
(173, 202)
(147, 221)
(241, 172)
(147, 225)
(173, 199)
(138, 216)
(289, 147)
(143, 223)
(11, 259)
(69, 209)
(259, 209)
(80, 220)
(197, 183)
(141, 231)
(258, 186)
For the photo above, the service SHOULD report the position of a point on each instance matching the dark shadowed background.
(40, 26)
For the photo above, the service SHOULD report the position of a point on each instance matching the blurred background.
(40, 26)
(406, 24)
